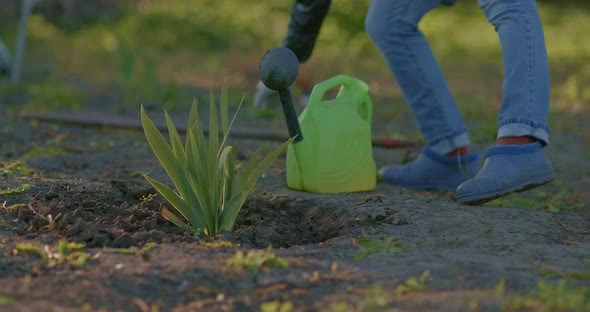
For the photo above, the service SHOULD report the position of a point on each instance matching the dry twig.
(567, 228)
(368, 198)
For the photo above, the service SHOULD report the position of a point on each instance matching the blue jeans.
(393, 27)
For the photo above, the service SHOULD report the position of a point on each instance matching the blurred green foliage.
(198, 25)
(151, 47)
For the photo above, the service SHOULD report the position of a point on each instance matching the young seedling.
(413, 284)
(16, 169)
(256, 260)
(12, 207)
(44, 151)
(6, 300)
(547, 297)
(276, 306)
(209, 189)
(138, 252)
(340, 306)
(377, 299)
(50, 219)
(576, 275)
(63, 252)
(500, 288)
(15, 190)
(563, 200)
(217, 244)
(369, 247)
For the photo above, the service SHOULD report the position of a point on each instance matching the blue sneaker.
(432, 171)
(507, 169)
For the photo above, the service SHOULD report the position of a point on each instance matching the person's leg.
(518, 162)
(393, 27)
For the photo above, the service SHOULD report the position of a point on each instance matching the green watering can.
(336, 155)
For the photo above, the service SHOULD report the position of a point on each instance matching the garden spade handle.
(278, 70)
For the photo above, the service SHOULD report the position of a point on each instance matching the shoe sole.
(482, 200)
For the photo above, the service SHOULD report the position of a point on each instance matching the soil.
(90, 193)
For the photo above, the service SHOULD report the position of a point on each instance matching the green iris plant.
(210, 190)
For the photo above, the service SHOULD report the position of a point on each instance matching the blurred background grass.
(82, 54)
(162, 50)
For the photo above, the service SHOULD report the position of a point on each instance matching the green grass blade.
(213, 128)
(223, 110)
(226, 133)
(225, 180)
(193, 114)
(201, 194)
(193, 117)
(198, 147)
(198, 170)
(199, 178)
(265, 163)
(195, 152)
(229, 172)
(224, 158)
(250, 166)
(175, 141)
(163, 151)
(166, 157)
(214, 151)
(232, 208)
(178, 203)
(195, 133)
(168, 215)
(249, 179)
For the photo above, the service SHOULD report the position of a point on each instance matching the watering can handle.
(321, 88)
(366, 108)
(365, 105)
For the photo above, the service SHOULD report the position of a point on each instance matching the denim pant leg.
(393, 27)
(525, 103)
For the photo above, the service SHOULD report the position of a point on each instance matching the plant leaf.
(209, 190)
(198, 174)
(266, 162)
(193, 115)
(226, 133)
(212, 166)
(192, 216)
(223, 112)
(163, 151)
(248, 170)
(175, 141)
(232, 208)
(225, 169)
(168, 215)
(223, 159)
(248, 182)
(166, 157)
(230, 175)
(201, 194)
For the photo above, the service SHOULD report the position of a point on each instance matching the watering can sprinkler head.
(278, 70)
